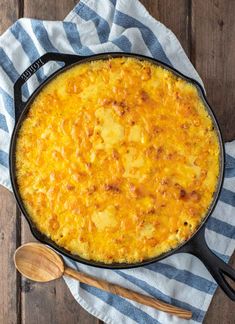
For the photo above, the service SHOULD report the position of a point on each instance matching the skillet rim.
(44, 239)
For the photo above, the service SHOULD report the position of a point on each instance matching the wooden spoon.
(37, 262)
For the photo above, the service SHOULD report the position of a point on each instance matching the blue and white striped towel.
(118, 25)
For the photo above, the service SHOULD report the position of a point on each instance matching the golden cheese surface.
(117, 160)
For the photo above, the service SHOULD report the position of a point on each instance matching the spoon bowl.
(38, 262)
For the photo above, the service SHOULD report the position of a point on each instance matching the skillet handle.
(218, 268)
(67, 59)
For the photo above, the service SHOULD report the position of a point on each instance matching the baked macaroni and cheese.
(117, 160)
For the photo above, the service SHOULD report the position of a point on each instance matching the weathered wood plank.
(222, 309)
(49, 10)
(9, 12)
(173, 14)
(213, 54)
(9, 240)
(9, 231)
(213, 49)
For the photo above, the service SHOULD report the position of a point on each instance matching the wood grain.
(49, 10)
(213, 49)
(221, 310)
(39, 263)
(127, 293)
(10, 301)
(9, 12)
(9, 239)
(173, 14)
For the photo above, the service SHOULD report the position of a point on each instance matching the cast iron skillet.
(196, 245)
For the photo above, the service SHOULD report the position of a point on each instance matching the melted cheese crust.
(117, 160)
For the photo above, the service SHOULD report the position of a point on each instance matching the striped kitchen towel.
(96, 26)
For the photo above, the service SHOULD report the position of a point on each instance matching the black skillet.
(195, 245)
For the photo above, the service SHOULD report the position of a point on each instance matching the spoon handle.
(126, 293)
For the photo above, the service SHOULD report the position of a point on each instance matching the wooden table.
(206, 30)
